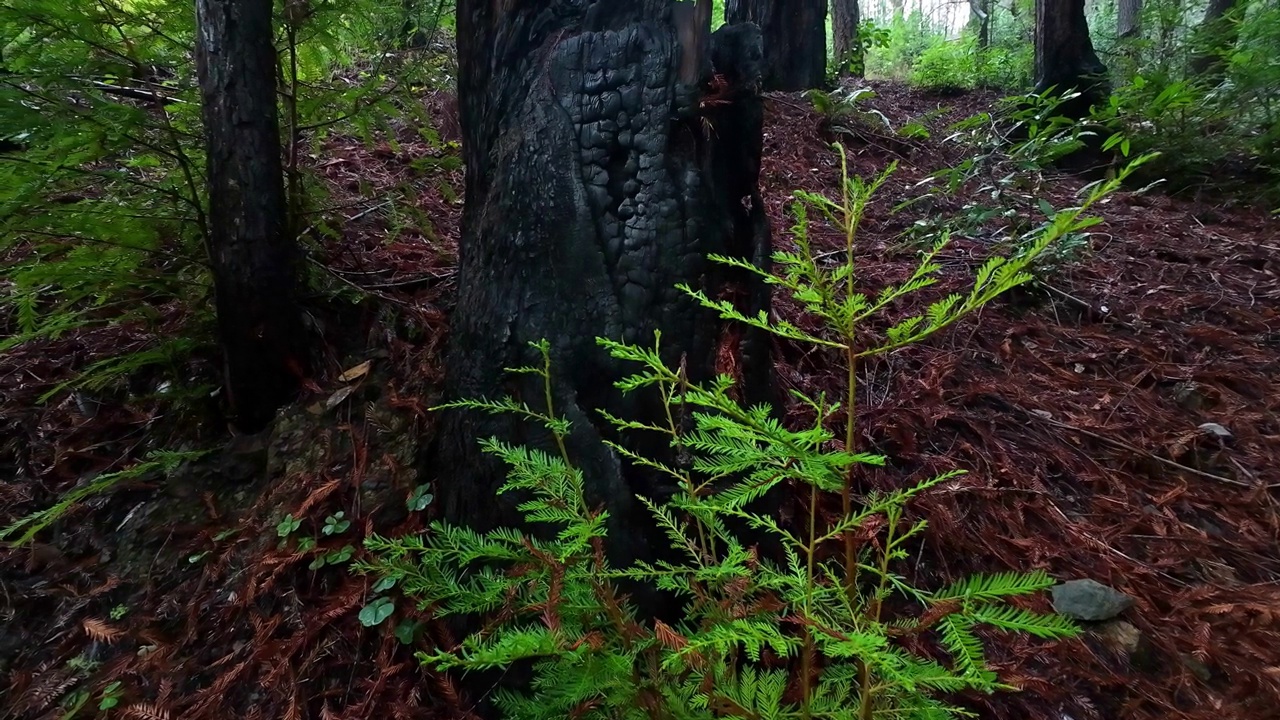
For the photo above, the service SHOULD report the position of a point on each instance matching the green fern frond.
(1012, 619)
(963, 646)
(995, 586)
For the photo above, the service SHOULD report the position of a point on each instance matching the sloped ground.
(1075, 406)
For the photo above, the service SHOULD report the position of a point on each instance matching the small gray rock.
(1089, 600)
(1216, 430)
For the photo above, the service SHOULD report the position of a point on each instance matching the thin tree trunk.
(1128, 18)
(980, 21)
(608, 150)
(795, 40)
(849, 53)
(1064, 54)
(1216, 35)
(254, 262)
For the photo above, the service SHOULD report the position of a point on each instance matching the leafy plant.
(335, 524)
(333, 557)
(110, 696)
(1003, 182)
(420, 499)
(552, 601)
(103, 217)
(407, 631)
(848, 105)
(947, 64)
(376, 611)
(288, 525)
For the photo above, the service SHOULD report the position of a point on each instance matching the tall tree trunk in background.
(1064, 55)
(253, 260)
(980, 22)
(1215, 37)
(1128, 18)
(849, 53)
(795, 40)
(609, 148)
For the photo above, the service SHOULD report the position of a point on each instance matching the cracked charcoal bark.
(595, 184)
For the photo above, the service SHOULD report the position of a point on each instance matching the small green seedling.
(333, 557)
(288, 526)
(420, 499)
(335, 524)
(376, 611)
(406, 631)
(110, 696)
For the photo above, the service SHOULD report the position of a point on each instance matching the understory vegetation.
(111, 389)
(555, 601)
(1176, 79)
(102, 198)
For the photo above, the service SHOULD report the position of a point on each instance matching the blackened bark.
(254, 262)
(795, 40)
(849, 53)
(596, 181)
(1215, 36)
(1064, 55)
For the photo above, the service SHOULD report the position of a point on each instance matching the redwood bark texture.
(1064, 54)
(1129, 18)
(795, 40)
(253, 260)
(845, 19)
(596, 181)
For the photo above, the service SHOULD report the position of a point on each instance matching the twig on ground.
(1148, 454)
(360, 288)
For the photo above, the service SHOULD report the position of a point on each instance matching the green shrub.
(947, 64)
(553, 602)
(102, 197)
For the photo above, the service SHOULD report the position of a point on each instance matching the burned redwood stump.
(607, 156)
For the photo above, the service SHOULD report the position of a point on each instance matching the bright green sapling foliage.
(754, 632)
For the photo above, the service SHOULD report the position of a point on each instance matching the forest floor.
(1076, 405)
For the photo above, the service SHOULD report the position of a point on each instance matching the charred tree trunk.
(1216, 35)
(609, 149)
(1128, 18)
(795, 40)
(1064, 55)
(847, 44)
(253, 260)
